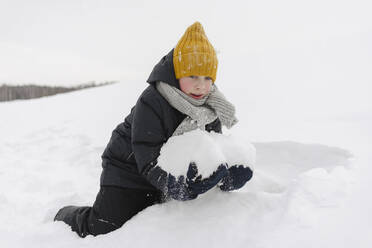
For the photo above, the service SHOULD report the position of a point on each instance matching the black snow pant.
(112, 208)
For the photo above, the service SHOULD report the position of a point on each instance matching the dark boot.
(76, 217)
(112, 208)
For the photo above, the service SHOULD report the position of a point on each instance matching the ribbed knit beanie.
(194, 55)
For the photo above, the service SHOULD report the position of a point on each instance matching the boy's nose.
(199, 86)
(200, 83)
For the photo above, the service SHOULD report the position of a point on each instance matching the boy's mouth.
(196, 96)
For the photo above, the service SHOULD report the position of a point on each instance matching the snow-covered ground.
(310, 189)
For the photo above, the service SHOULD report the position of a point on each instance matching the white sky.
(71, 41)
(281, 50)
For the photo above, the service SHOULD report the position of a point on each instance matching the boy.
(181, 97)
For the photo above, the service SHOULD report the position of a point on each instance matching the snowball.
(207, 150)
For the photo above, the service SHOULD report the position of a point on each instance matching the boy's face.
(196, 86)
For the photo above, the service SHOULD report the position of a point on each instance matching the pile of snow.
(207, 150)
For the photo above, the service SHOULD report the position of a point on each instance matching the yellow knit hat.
(194, 55)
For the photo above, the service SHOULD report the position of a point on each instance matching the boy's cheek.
(208, 89)
(186, 89)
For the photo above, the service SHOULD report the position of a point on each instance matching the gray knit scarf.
(200, 112)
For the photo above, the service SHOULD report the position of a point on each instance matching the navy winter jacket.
(135, 144)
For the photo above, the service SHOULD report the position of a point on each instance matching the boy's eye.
(208, 78)
(192, 76)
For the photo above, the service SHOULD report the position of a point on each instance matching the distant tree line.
(16, 92)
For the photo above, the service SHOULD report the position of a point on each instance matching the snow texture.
(207, 150)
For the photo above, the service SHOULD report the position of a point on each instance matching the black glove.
(185, 189)
(198, 185)
(236, 178)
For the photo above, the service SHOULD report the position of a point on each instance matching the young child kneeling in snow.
(181, 97)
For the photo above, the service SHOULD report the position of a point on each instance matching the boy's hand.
(181, 189)
(199, 185)
(236, 178)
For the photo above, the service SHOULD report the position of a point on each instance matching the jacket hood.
(164, 71)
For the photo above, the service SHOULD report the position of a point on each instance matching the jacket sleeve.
(148, 134)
